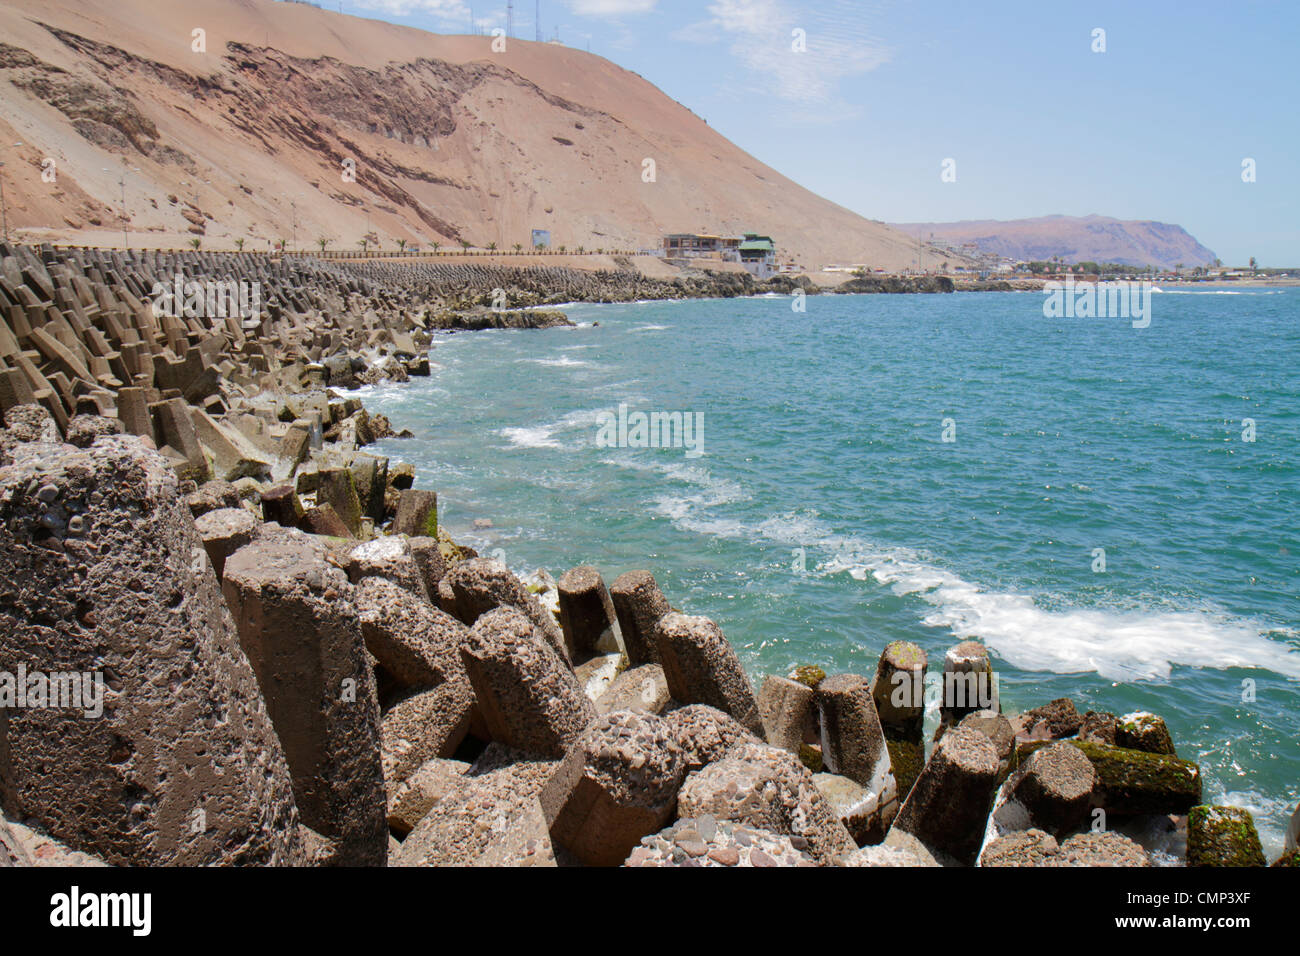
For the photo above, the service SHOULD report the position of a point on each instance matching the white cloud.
(449, 10)
(611, 8)
(761, 36)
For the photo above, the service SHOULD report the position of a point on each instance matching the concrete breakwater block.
(617, 783)
(786, 708)
(701, 667)
(949, 806)
(103, 573)
(1133, 782)
(526, 693)
(1223, 836)
(853, 743)
(768, 789)
(587, 615)
(638, 604)
(1051, 791)
(298, 624)
(480, 585)
(706, 734)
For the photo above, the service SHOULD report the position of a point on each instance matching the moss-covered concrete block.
(1222, 836)
(1136, 782)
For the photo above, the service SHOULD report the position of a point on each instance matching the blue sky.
(1156, 127)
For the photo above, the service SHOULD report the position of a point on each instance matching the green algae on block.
(907, 758)
(809, 675)
(1137, 782)
(1222, 836)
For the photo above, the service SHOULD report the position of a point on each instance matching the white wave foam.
(537, 437)
(562, 362)
(1217, 292)
(650, 328)
(1119, 645)
(544, 436)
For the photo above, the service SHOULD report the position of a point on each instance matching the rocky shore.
(282, 659)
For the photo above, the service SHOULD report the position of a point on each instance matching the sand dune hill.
(451, 141)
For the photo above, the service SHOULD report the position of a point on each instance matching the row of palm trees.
(366, 242)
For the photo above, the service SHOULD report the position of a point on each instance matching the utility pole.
(510, 18)
(537, 18)
(295, 224)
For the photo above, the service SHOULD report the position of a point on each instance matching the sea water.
(1112, 510)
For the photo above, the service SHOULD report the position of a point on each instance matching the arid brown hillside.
(1074, 239)
(451, 141)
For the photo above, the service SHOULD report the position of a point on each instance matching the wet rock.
(1223, 836)
(1098, 728)
(1145, 732)
(948, 807)
(1131, 782)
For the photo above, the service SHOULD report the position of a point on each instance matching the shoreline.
(136, 441)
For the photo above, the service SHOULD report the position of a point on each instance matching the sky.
(1036, 117)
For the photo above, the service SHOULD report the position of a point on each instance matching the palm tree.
(435, 246)
(518, 247)
(464, 245)
(1253, 267)
(492, 247)
(239, 244)
(364, 243)
(323, 242)
(196, 242)
(1178, 268)
(563, 249)
(401, 245)
(280, 244)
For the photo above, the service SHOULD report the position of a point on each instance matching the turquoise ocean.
(827, 515)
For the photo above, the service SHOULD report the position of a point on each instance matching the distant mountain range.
(1074, 239)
